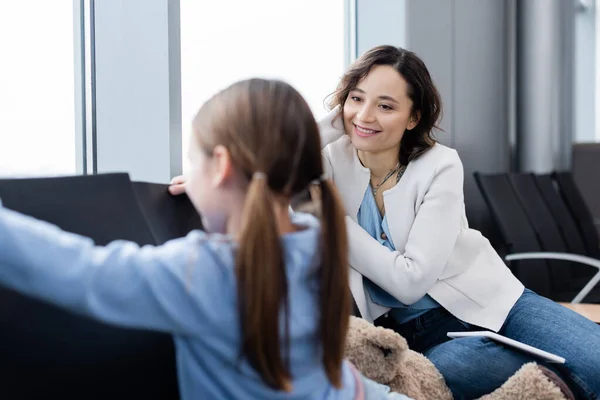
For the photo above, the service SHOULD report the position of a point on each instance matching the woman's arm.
(408, 276)
(159, 288)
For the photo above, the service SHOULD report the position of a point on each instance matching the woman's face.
(378, 111)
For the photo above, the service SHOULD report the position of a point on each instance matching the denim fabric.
(476, 366)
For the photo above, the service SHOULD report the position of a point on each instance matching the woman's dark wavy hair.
(427, 104)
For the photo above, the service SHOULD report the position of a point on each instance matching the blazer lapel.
(391, 201)
(351, 178)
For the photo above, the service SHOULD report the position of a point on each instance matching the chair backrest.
(168, 216)
(570, 193)
(544, 225)
(46, 351)
(558, 208)
(516, 230)
(585, 160)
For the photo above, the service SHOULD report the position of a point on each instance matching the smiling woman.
(386, 87)
(416, 266)
(389, 108)
(373, 107)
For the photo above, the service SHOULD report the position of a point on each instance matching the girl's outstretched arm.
(159, 288)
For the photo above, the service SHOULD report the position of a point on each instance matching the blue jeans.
(473, 367)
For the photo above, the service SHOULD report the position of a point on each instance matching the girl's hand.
(177, 185)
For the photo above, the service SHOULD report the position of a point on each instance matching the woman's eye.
(386, 107)
(355, 98)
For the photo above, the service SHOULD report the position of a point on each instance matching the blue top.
(186, 287)
(369, 218)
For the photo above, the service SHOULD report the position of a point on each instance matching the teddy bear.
(383, 356)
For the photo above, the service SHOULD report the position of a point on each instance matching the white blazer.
(436, 251)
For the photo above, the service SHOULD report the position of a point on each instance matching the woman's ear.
(413, 121)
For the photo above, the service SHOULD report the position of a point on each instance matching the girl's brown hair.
(268, 127)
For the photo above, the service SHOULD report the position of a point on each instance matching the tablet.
(549, 357)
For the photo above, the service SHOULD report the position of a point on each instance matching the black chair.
(46, 351)
(544, 226)
(580, 211)
(518, 235)
(585, 159)
(566, 222)
(568, 276)
(531, 233)
(562, 215)
(168, 216)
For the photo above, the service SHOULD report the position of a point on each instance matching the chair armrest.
(592, 262)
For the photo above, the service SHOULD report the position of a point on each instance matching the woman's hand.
(177, 185)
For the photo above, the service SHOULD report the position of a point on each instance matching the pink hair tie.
(360, 389)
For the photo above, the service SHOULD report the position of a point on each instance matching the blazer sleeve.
(408, 276)
(329, 129)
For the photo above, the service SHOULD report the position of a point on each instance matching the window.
(37, 114)
(300, 42)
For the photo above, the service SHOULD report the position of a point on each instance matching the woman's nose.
(365, 113)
